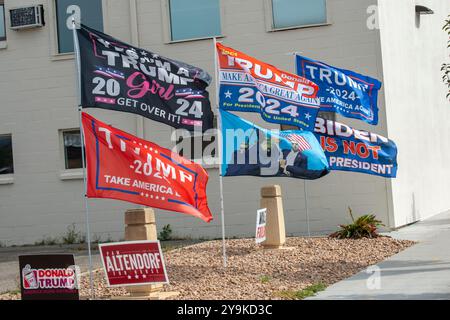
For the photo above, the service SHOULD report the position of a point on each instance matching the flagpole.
(306, 206)
(88, 232)
(305, 188)
(219, 144)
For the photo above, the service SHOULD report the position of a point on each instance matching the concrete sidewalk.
(420, 272)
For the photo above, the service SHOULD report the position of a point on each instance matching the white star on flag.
(144, 53)
(228, 94)
(307, 116)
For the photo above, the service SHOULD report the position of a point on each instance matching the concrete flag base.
(275, 229)
(141, 225)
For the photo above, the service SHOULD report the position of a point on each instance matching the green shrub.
(71, 236)
(166, 233)
(363, 227)
(309, 291)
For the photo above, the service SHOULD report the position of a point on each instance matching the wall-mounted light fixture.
(423, 10)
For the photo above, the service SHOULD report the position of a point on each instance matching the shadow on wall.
(414, 215)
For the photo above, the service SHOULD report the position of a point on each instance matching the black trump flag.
(117, 76)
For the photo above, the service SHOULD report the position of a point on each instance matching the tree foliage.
(446, 66)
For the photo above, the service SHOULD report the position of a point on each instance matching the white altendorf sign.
(261, 225)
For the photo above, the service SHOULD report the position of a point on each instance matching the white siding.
(418, 114)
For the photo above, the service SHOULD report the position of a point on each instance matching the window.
(198, 147)
(72, 149)
(195, 148)
(296, 13)
(2, 21)
(194, 19)
(89, 12)
(327, 115)
(6, 155)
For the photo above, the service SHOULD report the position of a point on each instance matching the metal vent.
(26, 17)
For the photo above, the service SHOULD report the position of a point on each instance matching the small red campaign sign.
(133, 263)
(49, 277)
(123, 167)
(261, 217)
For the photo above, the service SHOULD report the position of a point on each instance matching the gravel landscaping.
(253, 273)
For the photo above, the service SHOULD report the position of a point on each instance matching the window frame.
(270, 23)
(67, 174)
(53, 27)
(8, 178)
(2, 4)
(167, 24)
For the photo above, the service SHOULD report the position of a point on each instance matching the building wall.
(418, 116)
(39, 97)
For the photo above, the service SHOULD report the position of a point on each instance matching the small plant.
(46, 241)
(166, 233)
(71, 236)
(96, 238)
(265, 279)
(81, 238)
(364, 227)
(302, 294)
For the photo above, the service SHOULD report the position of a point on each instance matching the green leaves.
(445, 66)
(363, 227)
(309, 291)
(166, 233)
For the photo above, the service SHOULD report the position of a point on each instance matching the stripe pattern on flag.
(298, 139)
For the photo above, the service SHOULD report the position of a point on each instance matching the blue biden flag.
(249, 150)
(349, 149)
(350, 94)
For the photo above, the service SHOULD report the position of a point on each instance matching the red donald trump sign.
(123, 167)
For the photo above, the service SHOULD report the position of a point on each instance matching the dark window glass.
(190, 19)
(194, 147)
(72, 149)
(6, 155)
(322, 114)
(90, 13)
(327, 115)
(2, 22)
(295, 13)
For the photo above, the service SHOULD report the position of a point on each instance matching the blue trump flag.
(349, 149)
(249, 150)
(342, 91)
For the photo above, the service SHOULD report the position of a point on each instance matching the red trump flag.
(123, 167)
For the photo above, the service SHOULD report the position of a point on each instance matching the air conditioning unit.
(26, 17)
